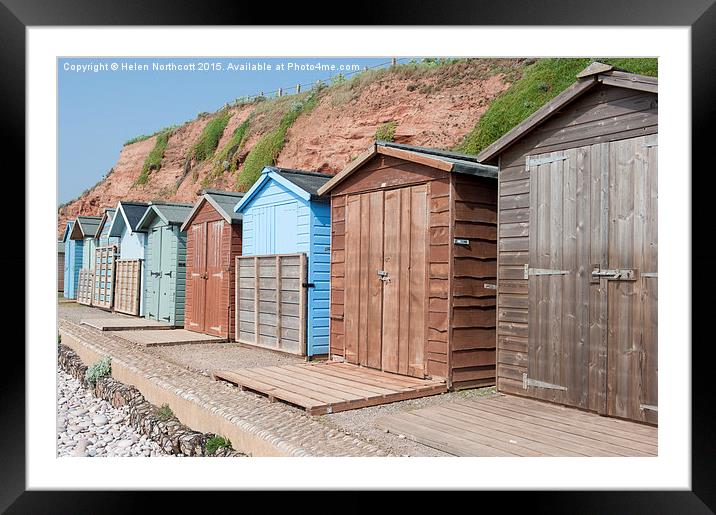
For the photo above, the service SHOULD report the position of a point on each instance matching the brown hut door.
(197, 277)
(215, 314)
(631, 364)
(386, 237)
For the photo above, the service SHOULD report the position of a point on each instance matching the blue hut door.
(286, 223)
(155, 270)
(166, 295)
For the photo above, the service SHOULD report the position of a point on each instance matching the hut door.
(197, 278)
(386, 238)
(631, 361)
(166, 270)
(592, 278)
(154, 274)
(216, 317)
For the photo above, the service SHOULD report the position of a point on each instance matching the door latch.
(383, 275)
(169, 273)
(612, 274)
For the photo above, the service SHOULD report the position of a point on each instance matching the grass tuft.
(101, 368)
(386, 132)
(215, 442)
(165, 413)
(540, 83)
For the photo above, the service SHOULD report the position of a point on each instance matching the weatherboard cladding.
(279, 220)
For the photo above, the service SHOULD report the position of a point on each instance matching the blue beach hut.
(73, 261)
(283, 214)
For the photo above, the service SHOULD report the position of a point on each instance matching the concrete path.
(253, 424)
(161, 337)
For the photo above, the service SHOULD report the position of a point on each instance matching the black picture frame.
(699, 15)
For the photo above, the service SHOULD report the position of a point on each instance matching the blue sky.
(100, 108)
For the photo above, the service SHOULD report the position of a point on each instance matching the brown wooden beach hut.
(413, 264)
(213, 242)
(577, 292)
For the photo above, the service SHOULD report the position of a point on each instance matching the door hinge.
(308, 285)
(649, 274)
(648, 407)
(461, 241)
(536, 161)
(543, 271)
(527, 382)
(489, 286)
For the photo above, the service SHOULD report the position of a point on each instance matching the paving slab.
(161, 337)
(124, 324)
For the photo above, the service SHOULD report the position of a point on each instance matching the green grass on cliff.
(224, 160)
(540, 83)
(210, 136)
(153, 162)
(268, 147)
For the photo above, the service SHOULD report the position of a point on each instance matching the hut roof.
(441, 159)
(86, 227)
(303, 183)
(107, 218)
(222, 201)
(171, 214)
(595, 73)
(131, 214)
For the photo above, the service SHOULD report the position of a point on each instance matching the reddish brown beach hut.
(413, 264)
(213, 242)
(577, 293)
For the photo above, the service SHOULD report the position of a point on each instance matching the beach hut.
(85, 229)
(73, 261)
(60, 266)
(129, 267)
(165, 284)
(213, 242)
(105, 254)
(577, 293)
(413, 264)
(103, 238)
(286, 225)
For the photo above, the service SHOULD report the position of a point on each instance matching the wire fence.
(294, 89)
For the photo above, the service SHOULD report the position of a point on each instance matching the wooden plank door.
(197, 279)
(167, 269)
(404, 287)
(558, 276)
(153, 274)
(632, 304)
(386, 247)
(216, 317)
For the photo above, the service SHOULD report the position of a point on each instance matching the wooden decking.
(157, 337)
(507, 425)
(119, 323)
(322, 388)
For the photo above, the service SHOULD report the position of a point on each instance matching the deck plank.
(524, 427)
(323, 388)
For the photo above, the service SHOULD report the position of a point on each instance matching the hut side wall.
(474, 266)
(319, 262)
(603, 114)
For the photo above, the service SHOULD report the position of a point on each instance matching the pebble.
(88, 426)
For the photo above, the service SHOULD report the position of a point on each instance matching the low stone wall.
(173, 436)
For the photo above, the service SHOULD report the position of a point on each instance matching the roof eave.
(341, 176)
(238, 208)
